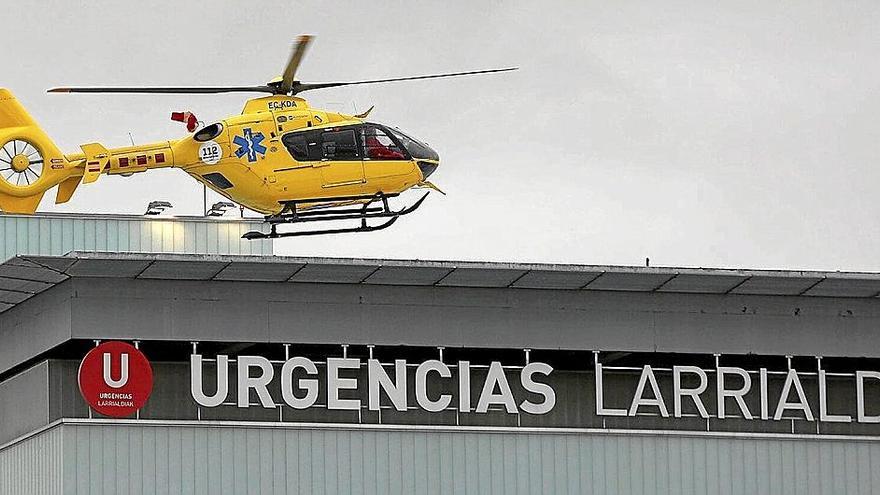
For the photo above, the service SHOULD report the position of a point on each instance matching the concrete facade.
(153, 298)
(109, 458)
(235, 304)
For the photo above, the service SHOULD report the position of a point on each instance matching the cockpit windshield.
(415, 147)
(378, 145)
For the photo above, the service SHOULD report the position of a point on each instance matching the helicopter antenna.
(286, 84)
(365, 114)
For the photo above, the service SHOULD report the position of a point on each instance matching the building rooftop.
(56, 234)
(24, 276)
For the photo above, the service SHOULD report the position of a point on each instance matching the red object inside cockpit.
(378, 151)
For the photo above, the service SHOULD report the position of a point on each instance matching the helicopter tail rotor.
(30, 163)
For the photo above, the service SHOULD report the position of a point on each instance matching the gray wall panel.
(373, 314)
(33, 466)
(107, 458)
(24, 402)
(28, 330)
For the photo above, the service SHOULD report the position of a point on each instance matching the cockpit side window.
(297, 146)
(339, 144)
(303, 146)
(415, 147)
(378, 145)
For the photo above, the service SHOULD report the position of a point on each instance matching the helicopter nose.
(427, 168)
(425, 157)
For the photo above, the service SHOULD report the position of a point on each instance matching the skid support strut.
(361, 208)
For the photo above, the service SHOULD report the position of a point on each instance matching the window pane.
(313, 138)
(297, 146)
(339, 145)
(379, 146)
(415, 147)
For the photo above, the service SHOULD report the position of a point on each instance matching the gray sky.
(732, 134)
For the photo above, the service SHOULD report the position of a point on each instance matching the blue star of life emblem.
(249, 144)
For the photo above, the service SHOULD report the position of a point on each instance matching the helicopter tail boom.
(30, 162)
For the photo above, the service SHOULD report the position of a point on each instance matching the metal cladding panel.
(481, 277)
(258, 272)
(55, 263)
(154, 458)
(28, 270)
(334, 273)
(28, 332)
(640, 282)
(549, 279)
(845, 287)
(183, 270)
(23, 285)
(790, 286)
(12, 297)
(21, 279)
(23, 399)
(33, 465)
(107, 268)
(403, 275)
(58, 234)
(702, 284)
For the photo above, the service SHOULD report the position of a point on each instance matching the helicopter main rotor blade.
(167, 90)
(299, 49)
(300, 87)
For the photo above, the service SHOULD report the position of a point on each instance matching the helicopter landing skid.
(366, 211)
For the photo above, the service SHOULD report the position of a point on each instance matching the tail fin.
(30, 163)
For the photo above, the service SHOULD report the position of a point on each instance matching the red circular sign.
(115, 379)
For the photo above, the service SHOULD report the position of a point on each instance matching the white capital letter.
(600, 409)
(422, 386)
(860, 395)
(464, 386)
(258, 383)
(310, 385)
(823, 404)
(765, 408)
(534, 387)
(639, 400)
(694, 393)
(792, 379)
(736, 394)
(335, 384)
(197, 387)
(123, 371)
(494, 378)
(396, 391)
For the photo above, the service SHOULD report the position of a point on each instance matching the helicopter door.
(383, 156)
(341, 162)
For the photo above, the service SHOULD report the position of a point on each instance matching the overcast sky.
(726, 134)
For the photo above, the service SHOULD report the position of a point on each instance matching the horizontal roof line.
(135, 216)
(491, 265)
(33, 273)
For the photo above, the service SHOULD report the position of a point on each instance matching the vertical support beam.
(717, 365)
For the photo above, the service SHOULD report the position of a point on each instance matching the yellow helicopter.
(280, 157)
